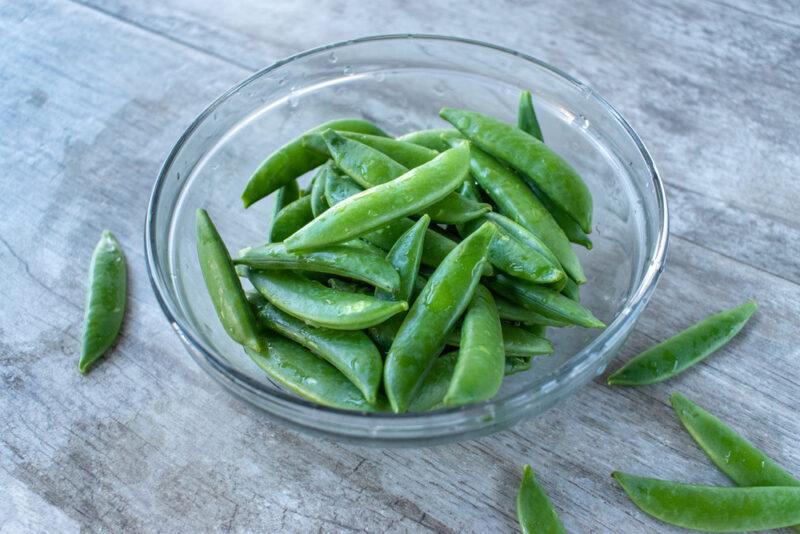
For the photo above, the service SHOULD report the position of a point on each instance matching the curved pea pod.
(404, 153)
(373, 208)
(319, 305)
(291, 218)
(713, 508)
(433, 314)
(534, 511)
(436, 138)
(526, 116)
(529, 156)
(318, 202)
(296, 158)
(351, 352)
(545, 301)
(510, 311)
(676, 354)
(434, 386)
(303, 373)
(405, 257)
(480, 366)
(517, 364)
(343, 260)
(105, 300)
(571, 290)
(516, 341)
(223, 284)
(570, 226)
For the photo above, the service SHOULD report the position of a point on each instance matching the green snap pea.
(713, 508)
(300, 371)
(374, 207)
(480, 365)
(434, 386)
(516, 341)
(318, 202)
(405, 257)
(517, 364)
(510, 311)
(343, 260)
(319, 305)
(291, 218)
(351, 352)
(545, 301)
(404, 153)
(529, 156)
(434, 312)
(105, 300)
(570, 226)
(223, 285)
(526, 116)
(283, 197)
(436, 139)
(571, 290)
(534, 511)
(676, 354)
(296, 158)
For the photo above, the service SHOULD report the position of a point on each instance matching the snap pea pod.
(319, 305)
(526, 116)
(545, 301)
(517, 364)
(735, 456)
(713, 508)
(434, 386)
(510, 311)
(351, 352)
(402, 152)
(105, 300)
(570, 226)
(283, 197)
(298, 370)
(676, 354)
(436, 138)
(516, 341)
(571, 290)
(343, 260)
(534, 511)
(291, 218)
(434, 312)
(318, 202)
(405, 257)
(373, 208)
(529, 156)
(480, 365)
(223, 284)
(294, 159)
(370, 167)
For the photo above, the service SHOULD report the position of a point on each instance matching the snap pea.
(713, 508)
(517, 364)
(402, 152)
(480, 365)
(435, 139)
(318, 202)
(434, 386)
(105, 300)
(545, 301)
(405, 257)
(298, 370)
(291, 218)
(223, 284)
(554, 176)
(516, 341)
(526, 116)
(570, 226)
(296, 158)
(319, 305)
(571, 290)
(344, 260)
(351, 352)
(510, 311)
(283, 197)
(534, 511)
(433, 314)
(374, 207)
(676, 354)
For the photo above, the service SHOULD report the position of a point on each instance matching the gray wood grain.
(96, 94)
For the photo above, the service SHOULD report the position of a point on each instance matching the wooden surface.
(95, 92)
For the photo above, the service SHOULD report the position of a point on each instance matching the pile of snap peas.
(415, 272)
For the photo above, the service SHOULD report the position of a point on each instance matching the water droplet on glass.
(332, 57)
(347, 70)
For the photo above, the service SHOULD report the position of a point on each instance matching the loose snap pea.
(534, 511)
(713, 508)
(434, 312)
(545, 301)
(404, 153)
(374, 207)
(436, 139)
(351, 352)
(318, 202)
(516, 341)
(405, 257)
(319, 305)
(105, 300)
(683, 350)
(223, 284)
(480, 365)
(571, 290)
(344, 260)
(510, 311)
(298, 370)
(554, 176)
(296, 158)
(526, 116)
(291, 218)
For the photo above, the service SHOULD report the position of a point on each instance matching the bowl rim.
(587, 355)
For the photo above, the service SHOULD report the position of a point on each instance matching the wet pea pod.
(405, 257)
(105, 300)
(510, 311)
(296, 158)
(713, 508)
(319, 305)
(351, 352)
(535, 513)
(435, 139)
(526, 116)
(318, 202)
(345, 260)
(545, 301)
(516, 341)
(403, 152)
(373, 208)
(529, 156)
(223, 284)
(291, 218)
(676, 354)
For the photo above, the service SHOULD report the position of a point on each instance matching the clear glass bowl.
(401, 82)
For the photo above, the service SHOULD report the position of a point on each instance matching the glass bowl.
(400, 82)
